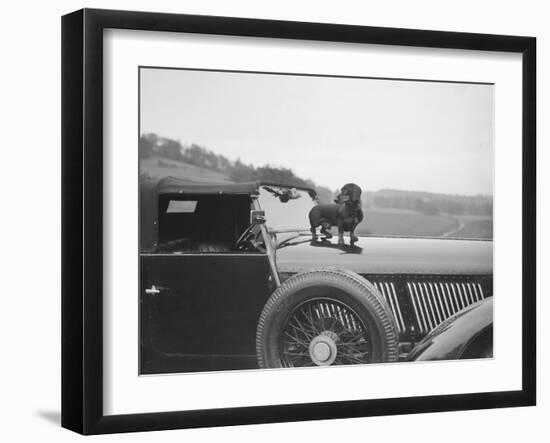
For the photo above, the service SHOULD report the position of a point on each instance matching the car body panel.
(449, 340)
(207, 304)
(388, 255)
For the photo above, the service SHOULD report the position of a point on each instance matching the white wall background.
(30, 217)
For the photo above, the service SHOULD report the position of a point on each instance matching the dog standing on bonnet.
(345, 212)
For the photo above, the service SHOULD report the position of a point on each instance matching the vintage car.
(231, 279)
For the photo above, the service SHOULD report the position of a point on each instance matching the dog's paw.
(354, 239)
(328, 235)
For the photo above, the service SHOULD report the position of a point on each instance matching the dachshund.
(345, 212)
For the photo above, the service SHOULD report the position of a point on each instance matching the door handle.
(154, 290)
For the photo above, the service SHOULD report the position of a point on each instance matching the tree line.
(152, 145)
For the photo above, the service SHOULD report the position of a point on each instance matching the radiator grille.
(434, 302)
(387, 289)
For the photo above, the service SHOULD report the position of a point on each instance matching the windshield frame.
(283, 195)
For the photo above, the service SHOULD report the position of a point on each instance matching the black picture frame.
(82, 215)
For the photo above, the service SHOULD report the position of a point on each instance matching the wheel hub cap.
(323, 349)
(323, 332)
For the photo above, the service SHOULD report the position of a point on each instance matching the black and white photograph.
(299, 220)
(273, 221)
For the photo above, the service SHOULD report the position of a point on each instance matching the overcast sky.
(407, 135)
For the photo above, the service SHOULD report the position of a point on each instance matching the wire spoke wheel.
(323, 332)
(325, 317)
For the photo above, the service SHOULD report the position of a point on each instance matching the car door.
(199, 311)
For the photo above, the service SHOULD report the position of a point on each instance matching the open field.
(475, 227)
(402, 222)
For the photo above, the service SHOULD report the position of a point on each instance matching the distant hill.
(431, 203)
(161, 157)
(387, 212)
(159, 167)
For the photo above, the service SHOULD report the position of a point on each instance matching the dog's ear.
(355, 192)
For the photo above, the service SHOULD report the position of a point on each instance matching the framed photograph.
(269, 221)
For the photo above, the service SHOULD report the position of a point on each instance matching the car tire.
(325, 317)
